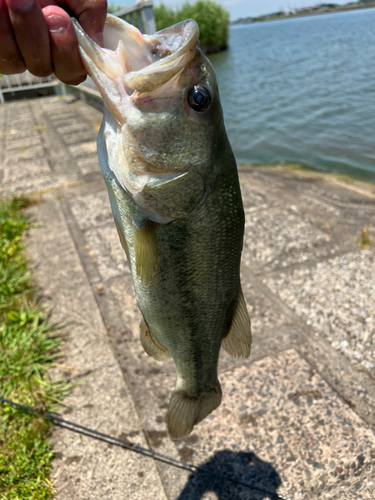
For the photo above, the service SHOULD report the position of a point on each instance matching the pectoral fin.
(146, 251)
(122, 241)
(238, 341)
(151, 345)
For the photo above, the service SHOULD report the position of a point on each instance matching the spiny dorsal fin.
(151, 345)
(185, 411)
(146, 251)
(238, 341)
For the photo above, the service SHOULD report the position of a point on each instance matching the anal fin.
(238, 341)
(151, 345)
(185, 411)
(146, 251)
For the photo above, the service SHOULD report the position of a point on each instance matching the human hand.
(38, 35)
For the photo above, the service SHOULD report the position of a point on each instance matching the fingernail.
(56, 23)
(21, 4)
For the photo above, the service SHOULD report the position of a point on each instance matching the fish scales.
(174, 191)
(189, 293)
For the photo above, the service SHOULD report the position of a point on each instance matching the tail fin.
(186, 411)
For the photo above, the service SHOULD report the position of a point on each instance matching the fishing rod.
(86, 431)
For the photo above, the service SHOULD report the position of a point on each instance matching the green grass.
(364, 239)
(28, 348)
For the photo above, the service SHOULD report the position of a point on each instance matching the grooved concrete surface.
(297, 418)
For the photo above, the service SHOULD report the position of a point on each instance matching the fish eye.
(199, 98)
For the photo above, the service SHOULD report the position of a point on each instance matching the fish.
(175, 196)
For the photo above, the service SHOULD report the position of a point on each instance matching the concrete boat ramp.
(297, 418)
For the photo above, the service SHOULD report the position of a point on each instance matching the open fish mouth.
(135, 62)
(149, 135)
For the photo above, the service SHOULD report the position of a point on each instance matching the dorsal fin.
(238, 341)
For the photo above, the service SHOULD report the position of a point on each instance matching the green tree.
(211, 17)
(112, 8)
(164, 16)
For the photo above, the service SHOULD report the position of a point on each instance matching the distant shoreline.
(272, 17)
(302, 168)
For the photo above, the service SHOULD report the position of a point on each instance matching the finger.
(11, 60)
(31, 34)
(66, 60)
(91, 15)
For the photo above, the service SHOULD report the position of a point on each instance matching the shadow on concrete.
(243, 466)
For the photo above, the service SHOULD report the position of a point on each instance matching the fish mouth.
(135, 62)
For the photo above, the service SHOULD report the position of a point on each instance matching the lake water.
(302, 90)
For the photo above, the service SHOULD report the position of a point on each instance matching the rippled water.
(302, 90)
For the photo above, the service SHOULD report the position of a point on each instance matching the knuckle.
(40, 72)
(99, 4)
(73, 81)
(12, 69)
(20, 68)
(12, 64)
(95, 9)
(40, 66)
(103, 5)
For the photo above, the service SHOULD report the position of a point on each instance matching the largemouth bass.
(175, 197)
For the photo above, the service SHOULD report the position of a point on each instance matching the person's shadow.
(245, 467)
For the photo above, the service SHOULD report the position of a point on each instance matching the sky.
(249, 8)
